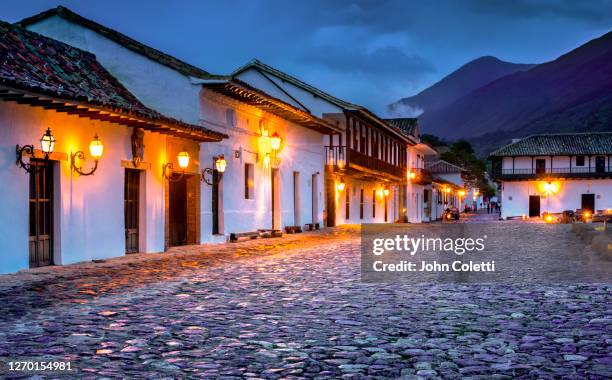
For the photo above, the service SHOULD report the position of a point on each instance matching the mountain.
(572, 93)
(460, 82)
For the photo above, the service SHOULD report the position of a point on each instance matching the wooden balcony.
(350, 161)
(552, 173)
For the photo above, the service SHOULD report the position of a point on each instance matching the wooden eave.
(253, 97)
(102, 113)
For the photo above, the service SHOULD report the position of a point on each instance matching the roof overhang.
(367, 115)
(426, 149)
(112, 115)
(245, 93)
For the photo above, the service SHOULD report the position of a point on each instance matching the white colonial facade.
(555, 173)
(257, 191)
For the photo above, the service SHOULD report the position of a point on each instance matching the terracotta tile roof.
(444, 167)
(409, 125)
(121, 39)
(559, 144)
(350, 107)
(44, 66)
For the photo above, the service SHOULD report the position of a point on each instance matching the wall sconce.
(275, 141)
(95, 150)
(341, 185)
(386, 192)
(461, 193)
(447, 190)
(411, 175)
(550, 188)
(220, 165)
(47, 143)
(183, 161)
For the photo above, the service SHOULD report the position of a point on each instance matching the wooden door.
(588, 202)
(215, 202)
(41, 214)
(315, 198)
(178, 212)
(540, 166)
(131, 197)
(534, 205)
(600, 164)
(276, 205)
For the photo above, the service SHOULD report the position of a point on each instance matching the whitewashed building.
(553, 173)
(262, 187)
(92, 179)
(367, 161)
(449, 188)
(419, 195)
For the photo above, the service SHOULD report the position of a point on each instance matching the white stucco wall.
(302, 151)
(89, 211)
(156, 85)
(515, 196)
(315, 105)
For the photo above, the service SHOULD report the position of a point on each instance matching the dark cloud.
(366, 51)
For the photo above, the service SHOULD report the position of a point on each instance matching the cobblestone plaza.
(295, 307)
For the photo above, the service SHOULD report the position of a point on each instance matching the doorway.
(588, 202)
(540, 166)
(131, 208)
(297, 201)
(177, 212)
(41, 214)
(600, 164)
(315, 199)
(216, 202)
(534, 205)
(276, 206)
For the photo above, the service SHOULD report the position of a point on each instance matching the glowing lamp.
(586, 215)
(47, 142)
(275, 141)
(449, 216)
(220, 164)
(549, 218)
(411, 175)
(183, 159)
(447, 190)
(386, 192)
(461, 193)
(341, 185)
(266, 160)
(609, 211)
(96, 148)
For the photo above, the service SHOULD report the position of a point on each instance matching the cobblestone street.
(295, 307)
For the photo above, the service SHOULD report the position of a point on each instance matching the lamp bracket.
(210, 172)
(170, 175)
(28, 167)
(79, 169)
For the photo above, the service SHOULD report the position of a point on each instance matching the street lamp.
(275, 141)
(96, 148)
(341, 185)
(220, 165)
(47, 143)
(386, 192)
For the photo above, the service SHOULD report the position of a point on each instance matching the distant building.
(553, 173)
(449, 188)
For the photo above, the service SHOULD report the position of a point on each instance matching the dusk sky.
(367, 52)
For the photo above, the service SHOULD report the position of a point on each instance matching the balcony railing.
(341, 158)
(573, 172)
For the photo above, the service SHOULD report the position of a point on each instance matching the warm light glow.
(341, 185)
(461, 193)
(524, 217)
(447, 190)
(47, 142)
(476, 193)
(183, 159)
(549, 218)
(220, 164)
(411, 175)
(449, 216)
(586, 215)
(266, 160)
(96, 148)
(275, 141)
(609, 211)
(386, 192)
(550, 188)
